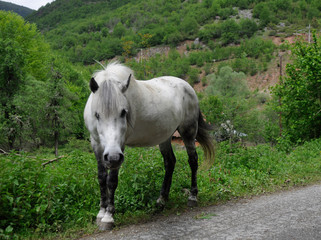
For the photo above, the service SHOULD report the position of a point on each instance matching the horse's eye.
(97, 115)
(123, 113)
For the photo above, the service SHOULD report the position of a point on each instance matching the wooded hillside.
(22, 11)
(85, 30)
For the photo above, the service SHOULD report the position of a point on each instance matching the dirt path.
(293, 214)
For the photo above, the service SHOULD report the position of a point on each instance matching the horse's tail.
(205, 139)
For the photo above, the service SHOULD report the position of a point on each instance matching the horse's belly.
(149, 137)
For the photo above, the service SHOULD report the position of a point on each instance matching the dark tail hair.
(205, 139)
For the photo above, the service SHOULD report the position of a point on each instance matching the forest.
(218, 46)
(86, 30)
(22, 11)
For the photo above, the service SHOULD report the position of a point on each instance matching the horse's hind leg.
(169, 163)
(189, 134)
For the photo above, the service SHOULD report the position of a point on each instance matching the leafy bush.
(212, 107)
(228, 83)
(193, 74)
(230, 32)
(299, 93)
(47, 198)
(245, 65)
(248, 27)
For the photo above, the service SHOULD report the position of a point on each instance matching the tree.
(228, 83)
(30, 104)
(300, 93)
(59, 113)
(212, 108)
(248, 27)
(264, 12)
(230, 31)
(38, 91)
(22, 52)
(188, 26)
(119, 30)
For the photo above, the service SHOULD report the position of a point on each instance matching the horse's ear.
(93, 85)
(127, 84)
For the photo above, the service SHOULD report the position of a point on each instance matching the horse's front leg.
(102, 179)
(107, 222)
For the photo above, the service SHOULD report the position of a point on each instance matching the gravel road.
(294, 214)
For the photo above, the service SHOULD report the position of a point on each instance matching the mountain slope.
(85, 30)
(22, 11)
(62, 11)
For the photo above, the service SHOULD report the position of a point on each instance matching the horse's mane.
(114, 70)
(108, 97)
(110, 81)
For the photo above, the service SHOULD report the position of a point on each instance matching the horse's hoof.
(160, 203)
(98, 221)
(106, 226)
(192, 201)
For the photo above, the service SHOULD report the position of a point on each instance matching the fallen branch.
(51, 161)
(43, 164)
(3, 151)
(17, 154)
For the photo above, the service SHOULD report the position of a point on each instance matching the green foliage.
(47, 198)
(230, 31)
(212, 108)
(22, 51)
(84, 30)
(299, 93)
(22, 11)
(193, 76)
(228, 83)
(34, 91)
(37, 200)
(228, 98)
(173, 65)
(248, 27)
(258, 47)
(245, 65)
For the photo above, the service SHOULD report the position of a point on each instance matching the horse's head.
(111, 116)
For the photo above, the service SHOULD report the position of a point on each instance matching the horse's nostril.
(114, 157)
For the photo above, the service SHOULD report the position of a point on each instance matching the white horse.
(124, 111)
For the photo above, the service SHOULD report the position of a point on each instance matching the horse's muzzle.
(113, 161)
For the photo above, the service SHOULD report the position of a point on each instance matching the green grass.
(61, 199)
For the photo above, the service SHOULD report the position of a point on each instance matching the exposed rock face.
(246, 13)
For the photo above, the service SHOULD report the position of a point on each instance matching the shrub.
(230, 32)
(193, 76)
(228, 83)
(299, 93)
(47, 198)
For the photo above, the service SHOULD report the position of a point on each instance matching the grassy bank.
(61, 199)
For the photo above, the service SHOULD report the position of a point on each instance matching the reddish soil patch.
(179, 141)
(292, 39)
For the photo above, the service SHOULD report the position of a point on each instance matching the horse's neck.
(138, 96)
(135, 94)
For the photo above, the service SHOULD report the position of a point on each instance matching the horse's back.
(168, 86)
(163, 104)
(172, 93)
